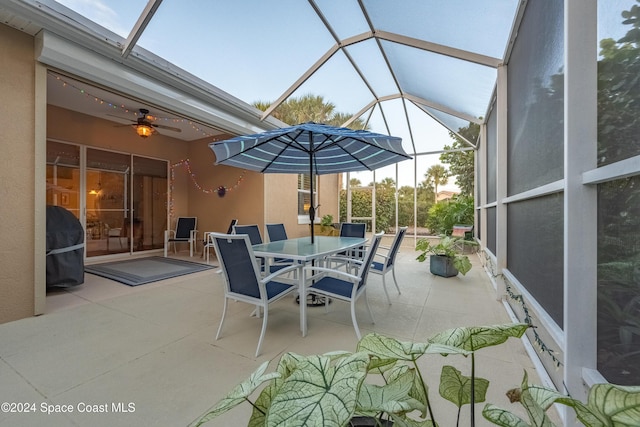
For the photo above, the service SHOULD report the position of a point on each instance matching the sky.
(256, 49)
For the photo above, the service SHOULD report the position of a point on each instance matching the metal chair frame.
(243, 281)
(342, 285)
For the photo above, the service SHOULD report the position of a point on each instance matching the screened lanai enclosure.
(549, 87)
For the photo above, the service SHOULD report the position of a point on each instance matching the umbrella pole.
(312, 209)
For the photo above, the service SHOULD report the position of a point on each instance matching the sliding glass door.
(120, 199)
(107, 221)
(149, 203)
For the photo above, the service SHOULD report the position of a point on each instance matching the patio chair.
(185, 232)
(388, 261)
(276, 232)
(207, 243)
(253, 231)
(243, 281)
(340, 285)
(350, 229)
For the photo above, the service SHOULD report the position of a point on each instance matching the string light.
(123, 108)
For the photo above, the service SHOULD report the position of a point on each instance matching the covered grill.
(65, 244)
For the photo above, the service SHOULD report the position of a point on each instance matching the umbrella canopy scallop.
(311, 148)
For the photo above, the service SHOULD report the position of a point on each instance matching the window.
(304, 197)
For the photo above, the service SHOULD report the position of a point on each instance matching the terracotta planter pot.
(441, 265)
(325, 230)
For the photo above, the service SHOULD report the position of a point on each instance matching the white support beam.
(481, 184)
(580, 201)
(438, 48)
(417, 100)
(303, 78)
(501, 175)
(139, 27)
(619, 170)
(437, 119)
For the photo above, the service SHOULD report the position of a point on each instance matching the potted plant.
(344, 388)
(378, 385)
(326, 227)
(444, 257)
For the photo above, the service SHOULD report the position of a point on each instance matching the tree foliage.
(461, 163)
(436, 175)
(444, 215)
(310, 108)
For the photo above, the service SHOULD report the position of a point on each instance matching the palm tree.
(388, 183)
(309, 108)
(437, 175)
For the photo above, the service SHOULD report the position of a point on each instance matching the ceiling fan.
(145, 125)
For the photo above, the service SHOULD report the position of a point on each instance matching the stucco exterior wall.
(281, 201)
(17, 174)
(243, 201)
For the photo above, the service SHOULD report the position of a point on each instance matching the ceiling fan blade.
(166, 127)
(121, 118)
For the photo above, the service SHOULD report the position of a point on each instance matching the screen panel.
(535, 245)
(619, 281)
(535, 144)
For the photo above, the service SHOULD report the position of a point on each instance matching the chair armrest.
(385, 257)
(205, 237)
(386, 248)
(344, 258)
(347, 276)
(280, 272)
(193, 235)
(168, 234)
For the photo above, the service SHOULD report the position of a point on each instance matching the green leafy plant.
(381, 380)
(327, 220)
(446, 246)
(445, 214)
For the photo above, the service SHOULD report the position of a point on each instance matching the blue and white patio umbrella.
(312, 148)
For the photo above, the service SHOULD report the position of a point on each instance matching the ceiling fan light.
(144, 130)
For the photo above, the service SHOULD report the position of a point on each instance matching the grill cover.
(65, 249)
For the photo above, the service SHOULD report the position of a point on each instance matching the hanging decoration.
(221, 190)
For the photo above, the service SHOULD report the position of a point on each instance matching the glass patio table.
(302, 250)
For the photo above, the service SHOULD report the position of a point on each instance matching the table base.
(314, 300)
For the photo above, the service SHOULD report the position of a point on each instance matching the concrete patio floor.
(150, 351)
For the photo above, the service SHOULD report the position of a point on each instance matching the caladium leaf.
(319, 393)
(390, 348)
(391, 398)
(288, 363)
(476, 337)
(619, 405)
(239, 394)
(502, 417)
(456, 388)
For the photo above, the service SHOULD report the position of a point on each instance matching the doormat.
(139, 271)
